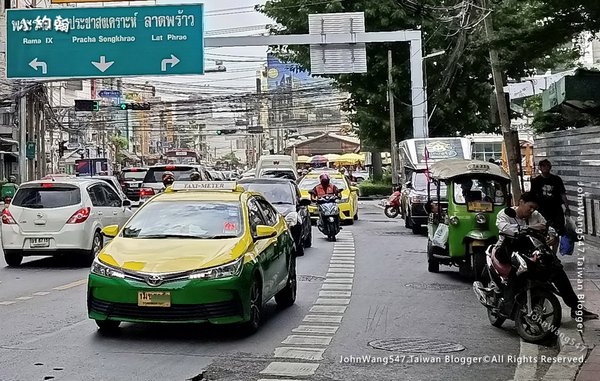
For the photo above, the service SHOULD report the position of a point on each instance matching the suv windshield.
(43, 198)
(278, 174)
(420, 184)
(154, 175)
(138, 175)
(274, 193)
(186, 219)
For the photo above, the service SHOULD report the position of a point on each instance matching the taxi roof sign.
(204, 185)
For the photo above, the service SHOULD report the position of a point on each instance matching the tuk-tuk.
(462, 222)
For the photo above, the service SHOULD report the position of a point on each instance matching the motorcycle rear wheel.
(391, 211)
(495, 319)
(536, 328)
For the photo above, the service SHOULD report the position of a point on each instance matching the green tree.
(232, 158)
(120, 144)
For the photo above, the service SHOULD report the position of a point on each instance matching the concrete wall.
(575, 156)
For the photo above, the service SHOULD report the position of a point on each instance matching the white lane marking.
(335, 294)
(329, 286)
(7, 303)
(321, 329)
(70, 285)
(340, 270)
(339, 275)
(323, 319)
(329, 309)
(341, 265)
(307, 340)
(41, 293)
(333, 302)
(309, 354)
(526, 370)
(290, 369)
(24, 298)
(339, 280)
(277, 379)
(343, 256)
(342, 261)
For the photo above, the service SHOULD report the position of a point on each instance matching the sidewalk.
(590, 276)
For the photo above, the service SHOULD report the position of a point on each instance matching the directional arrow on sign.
(35, 64)
(103, 65)
(173, 61)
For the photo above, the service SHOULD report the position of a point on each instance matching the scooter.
(329, 216)
(392, 208)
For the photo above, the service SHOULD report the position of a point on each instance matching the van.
(276, 166)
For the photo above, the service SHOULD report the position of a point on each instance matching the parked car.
(153, 179)
(131, 180)
(413, 200)
(50, 217)
(285, 196)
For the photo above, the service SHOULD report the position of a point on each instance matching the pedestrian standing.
(551, 194)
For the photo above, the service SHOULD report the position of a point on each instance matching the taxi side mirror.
(110, 231)
(353, 189)
(264, 231)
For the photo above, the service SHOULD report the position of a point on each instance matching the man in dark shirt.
(551, 194)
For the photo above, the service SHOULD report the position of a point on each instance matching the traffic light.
(87, 105)
(62, 147)
(135, 106)
(226, 131)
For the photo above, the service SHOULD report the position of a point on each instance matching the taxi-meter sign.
(204, 185)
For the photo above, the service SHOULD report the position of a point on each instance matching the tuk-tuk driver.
(528, 217)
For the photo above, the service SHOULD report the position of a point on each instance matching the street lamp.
(427, 114)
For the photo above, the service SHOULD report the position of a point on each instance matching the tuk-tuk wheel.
(433, 265)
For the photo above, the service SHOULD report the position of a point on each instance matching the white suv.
(50, 217)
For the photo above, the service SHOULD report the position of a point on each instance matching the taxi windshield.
(186, 219)
(308, 183)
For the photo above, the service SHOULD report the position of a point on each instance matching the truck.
(91, 167)
(415, 157)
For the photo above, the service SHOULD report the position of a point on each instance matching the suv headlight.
(105, 270)
(291, 218)
(224, 271)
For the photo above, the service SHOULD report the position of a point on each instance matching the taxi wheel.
(356, 216)
(287, 296)
(107, 325)
(256, 309)
(13, 258)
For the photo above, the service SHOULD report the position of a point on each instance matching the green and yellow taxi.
(348, 204)
(198, 252)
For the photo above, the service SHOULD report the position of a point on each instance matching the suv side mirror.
(126, 203)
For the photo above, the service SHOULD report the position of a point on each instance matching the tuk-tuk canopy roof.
(453, 168)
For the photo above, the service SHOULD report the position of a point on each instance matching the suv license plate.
(39, 242)
(154, 299)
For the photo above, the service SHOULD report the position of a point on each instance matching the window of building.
(486, 151)
(74, 85)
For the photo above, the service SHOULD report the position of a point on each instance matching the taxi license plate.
(480, 206)
(39, 242)
(154, 299)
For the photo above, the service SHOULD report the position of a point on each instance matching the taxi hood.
(171, 255)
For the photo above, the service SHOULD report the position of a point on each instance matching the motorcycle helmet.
(168, 178)
(195, 176)
(324, 179)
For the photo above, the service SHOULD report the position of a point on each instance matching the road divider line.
(70, 285)
(24, 298)
(308, 354)
(323, 319)
(335, 294)
(328, 309)
(290, 369)
(41, 293)
(333, 302)
(333, 286)
(307, 340)
(7, 303)
(319, 329)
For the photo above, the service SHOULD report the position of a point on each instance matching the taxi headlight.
(291, 218)
(104, 270)
(480, 218)
(224, 271)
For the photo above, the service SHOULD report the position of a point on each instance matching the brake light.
(47, 185)
(170, 167)
(145, 192)
(79, 216)
(133, 170)
(7, 218)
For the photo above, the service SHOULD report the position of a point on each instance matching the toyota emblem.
(154, 280)
(40, 215)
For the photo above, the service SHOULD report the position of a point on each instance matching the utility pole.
(512, 147)
(392, 122)
(23, 136)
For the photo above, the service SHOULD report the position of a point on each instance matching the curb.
(570, 345)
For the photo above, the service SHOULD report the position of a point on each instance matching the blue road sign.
(109, 94)
(105, 42)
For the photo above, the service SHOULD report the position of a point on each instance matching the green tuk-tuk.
(462, 222)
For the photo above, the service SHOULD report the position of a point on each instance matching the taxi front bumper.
(218, 301)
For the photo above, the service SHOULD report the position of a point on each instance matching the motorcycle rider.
(195, 176)
(528, 217)
(324, 188)
(168, 178)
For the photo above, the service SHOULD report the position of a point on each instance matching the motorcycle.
(535, 310)
(392, 208)
(329, 216)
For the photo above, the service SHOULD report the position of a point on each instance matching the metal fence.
(575, 156)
